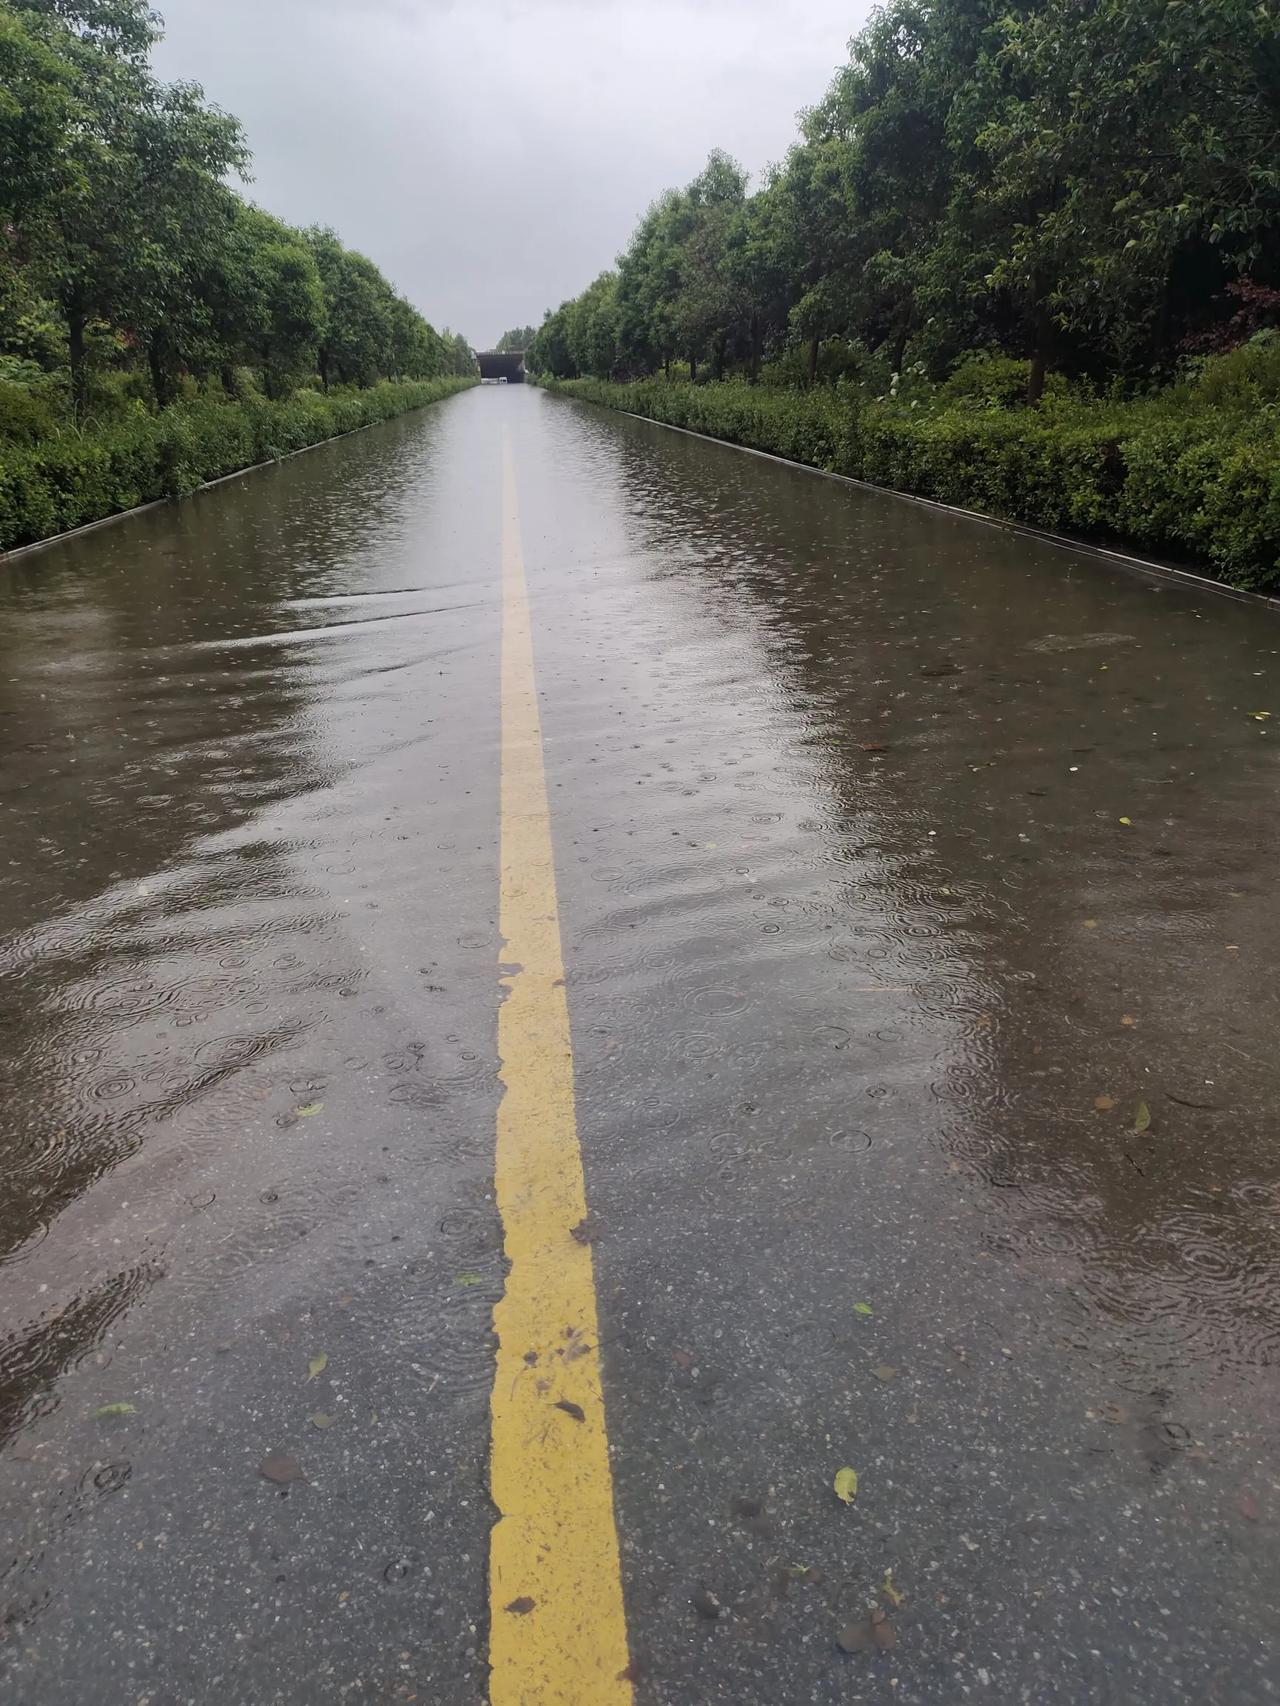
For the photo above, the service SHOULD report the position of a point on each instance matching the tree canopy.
(519, 338)
(1087, 184)
(122, 247)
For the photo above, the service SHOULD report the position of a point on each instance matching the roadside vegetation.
(1023, 257)
(156, 329)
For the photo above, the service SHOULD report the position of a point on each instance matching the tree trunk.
(75, 353)
(159, 377)
(899, 349)
(813, 359)
(666, 367)
(228, 379)
(693, 370)
(1039, 360)
(717, 359)
(322, 362)
(755, 349)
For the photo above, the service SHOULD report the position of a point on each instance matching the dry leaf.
(279, 1467)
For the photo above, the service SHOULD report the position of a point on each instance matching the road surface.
(832, 942)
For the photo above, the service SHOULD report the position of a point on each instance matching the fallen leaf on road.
(890, 1592)
(846, 1485)
(883, 1633)
(116, 1410)
(468, 1279)
(1104, 1103)
(305, 1113)
(1128, 820)
(874, 1632)
(1127, 1019)
(705, 1604)
(523, 1606)
(584, 1232)
(884, 1371)
(1141, 1117)
(863, 1309)
(317, 1365)
(574, 1410)
(279, 1467)
(1091, 924)
(855, 1637)
(319, 1420)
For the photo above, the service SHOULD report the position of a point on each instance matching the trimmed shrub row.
(63, 482)
(1202, 485)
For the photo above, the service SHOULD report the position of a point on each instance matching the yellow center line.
(558, 1630)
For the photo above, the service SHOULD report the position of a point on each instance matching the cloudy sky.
(492, 156)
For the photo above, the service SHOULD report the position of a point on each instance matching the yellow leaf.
(1142, 1117)
(317, 1365)
(890, 1592)
(846, 1485)
(1127, 820)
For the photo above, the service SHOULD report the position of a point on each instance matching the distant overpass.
(505, 364)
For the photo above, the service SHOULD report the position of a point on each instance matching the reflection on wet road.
(918, 936)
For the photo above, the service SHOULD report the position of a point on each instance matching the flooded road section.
(919, 935)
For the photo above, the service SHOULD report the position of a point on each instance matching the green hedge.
(1199, 484)
(59, 483)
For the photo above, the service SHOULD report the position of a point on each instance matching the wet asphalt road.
(916, 889)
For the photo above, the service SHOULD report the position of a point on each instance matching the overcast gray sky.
(492, 156)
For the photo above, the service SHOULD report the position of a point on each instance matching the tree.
(1135, 135)
(518, 339)
(591, 328)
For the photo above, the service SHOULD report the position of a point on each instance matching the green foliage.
(995, 382)
(1078, 185)
(122, 248)
(1201, 483)
(49, 483)
(1243, 378)
(519, 338)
